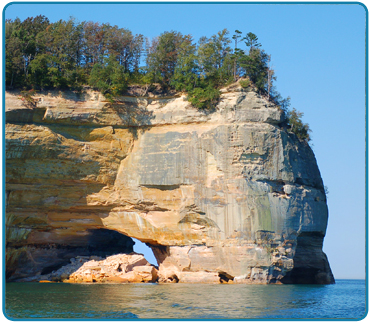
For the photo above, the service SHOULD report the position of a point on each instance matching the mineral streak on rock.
(226, 195)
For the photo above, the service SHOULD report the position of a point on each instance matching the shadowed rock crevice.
(225, 277)
(162, 187)
(35, 259)
(106, 242)
(160, 252)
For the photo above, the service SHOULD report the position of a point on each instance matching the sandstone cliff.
(228, 193)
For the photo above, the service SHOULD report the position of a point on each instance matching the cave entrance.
(142, 248)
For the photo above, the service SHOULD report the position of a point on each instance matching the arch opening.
(142, 248)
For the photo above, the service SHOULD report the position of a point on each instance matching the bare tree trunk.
(236, 46)
(268, 84)
(269, 74)
(11, 81)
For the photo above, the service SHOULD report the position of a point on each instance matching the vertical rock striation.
(218, 196)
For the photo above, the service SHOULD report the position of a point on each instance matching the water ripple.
(345, 300)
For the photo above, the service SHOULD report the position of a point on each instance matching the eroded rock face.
(227, 192)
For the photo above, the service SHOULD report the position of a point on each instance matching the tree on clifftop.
(109, 78)
(186, 73)
(22, 46)
(215, 60)
(237, 52)
(300, 129)
(162, 59)
(251, 41)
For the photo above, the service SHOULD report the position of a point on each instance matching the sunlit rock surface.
(224, 195)
(119, 268)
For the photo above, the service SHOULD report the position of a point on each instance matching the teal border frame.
(195, 3)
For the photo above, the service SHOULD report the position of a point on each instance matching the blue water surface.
(344, 300)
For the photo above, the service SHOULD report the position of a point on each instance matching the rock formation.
(120, 268)
(218, 195)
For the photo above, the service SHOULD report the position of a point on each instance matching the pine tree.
(237, 52)
(300, 129)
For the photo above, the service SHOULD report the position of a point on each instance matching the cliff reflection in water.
(346, 299)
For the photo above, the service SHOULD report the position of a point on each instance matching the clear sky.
(318, 53)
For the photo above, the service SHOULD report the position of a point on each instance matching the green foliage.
(300, 129)
(215, 58)
(162, 57)
(245, 83)
(251, 40)
(40, 54)
(70, 54)
(204, 98)
(185, 77)
(21, 47)
(237, 53)
(255, 67)
(109, 78)
(283, 103)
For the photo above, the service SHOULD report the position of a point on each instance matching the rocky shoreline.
(121, 268)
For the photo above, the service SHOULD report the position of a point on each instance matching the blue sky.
(318, 53)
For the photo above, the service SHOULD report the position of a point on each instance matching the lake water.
(344, 300)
